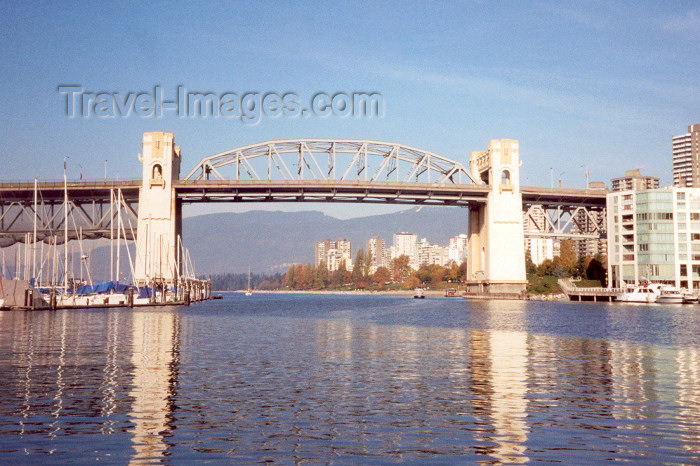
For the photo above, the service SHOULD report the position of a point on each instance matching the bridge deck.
(294, 191)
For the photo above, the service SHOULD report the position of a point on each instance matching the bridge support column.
(496, 261)
(160, 212)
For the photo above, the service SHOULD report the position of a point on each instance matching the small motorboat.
(418, 293)
(670, 295)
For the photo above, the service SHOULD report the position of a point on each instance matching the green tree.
(322, 278)
(358, 268)
(423, 274)
(530, 266)
(339, 276)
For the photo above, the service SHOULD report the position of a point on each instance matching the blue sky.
(599, 84)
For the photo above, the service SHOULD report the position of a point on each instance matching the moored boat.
(642, 293)
(418, 293)
(669, 295)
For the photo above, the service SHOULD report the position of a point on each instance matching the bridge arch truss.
(341, 160)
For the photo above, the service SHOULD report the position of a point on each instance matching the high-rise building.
(686, 158)
(586, 221)
(536, 222)
(457, 248)
(540, 249)
(333, 253)
(322, 248)
(430, 254)
(405, 244)
(654, 235)
(633, 180)
(376, 249)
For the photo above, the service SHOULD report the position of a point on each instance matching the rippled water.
(348, 379)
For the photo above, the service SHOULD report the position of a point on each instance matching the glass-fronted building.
(654, 235)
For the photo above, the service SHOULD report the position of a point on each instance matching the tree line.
(567, 264)
(398, 274)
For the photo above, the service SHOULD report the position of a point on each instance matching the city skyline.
(571, 82)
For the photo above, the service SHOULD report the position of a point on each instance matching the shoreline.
(431, 293)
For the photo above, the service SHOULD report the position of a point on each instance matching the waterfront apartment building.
(634, 181)
(654, 235)
(685, 149)
(333, 253)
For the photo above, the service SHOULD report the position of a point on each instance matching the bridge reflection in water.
(250, 381)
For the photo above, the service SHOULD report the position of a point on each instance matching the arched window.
(157, 172)
(505, 177)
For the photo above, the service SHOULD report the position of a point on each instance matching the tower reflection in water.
(499, 381)
(406, 386)
(154, 357)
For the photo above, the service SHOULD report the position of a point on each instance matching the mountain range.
(270, 241)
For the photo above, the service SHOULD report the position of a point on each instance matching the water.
(352, 379)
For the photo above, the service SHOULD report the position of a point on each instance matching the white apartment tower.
(686, 158)
(405, 244)
(376, 248)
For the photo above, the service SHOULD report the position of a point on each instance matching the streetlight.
(587, 173)
(551, 178)
(105, 169)
(560, 174)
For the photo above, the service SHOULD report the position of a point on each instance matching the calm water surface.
(352, 379)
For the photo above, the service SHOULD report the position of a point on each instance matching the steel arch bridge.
(331, 160)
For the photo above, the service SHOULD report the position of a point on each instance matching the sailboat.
(249, 291)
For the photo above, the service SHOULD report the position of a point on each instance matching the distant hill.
(270, 241)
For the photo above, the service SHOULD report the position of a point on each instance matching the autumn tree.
(400, 268)
(289, 279)
(567, 255)
(411, 282)
(381, 276)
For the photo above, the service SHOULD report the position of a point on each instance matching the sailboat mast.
(36, 202)
(65, 228)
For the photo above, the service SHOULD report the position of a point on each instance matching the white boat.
(418, 293)
(642, 293)
(670, 295)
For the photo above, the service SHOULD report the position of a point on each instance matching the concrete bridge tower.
(160, 212)
(496, 262)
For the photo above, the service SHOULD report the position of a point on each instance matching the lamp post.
(105, 169)
(551, 178)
